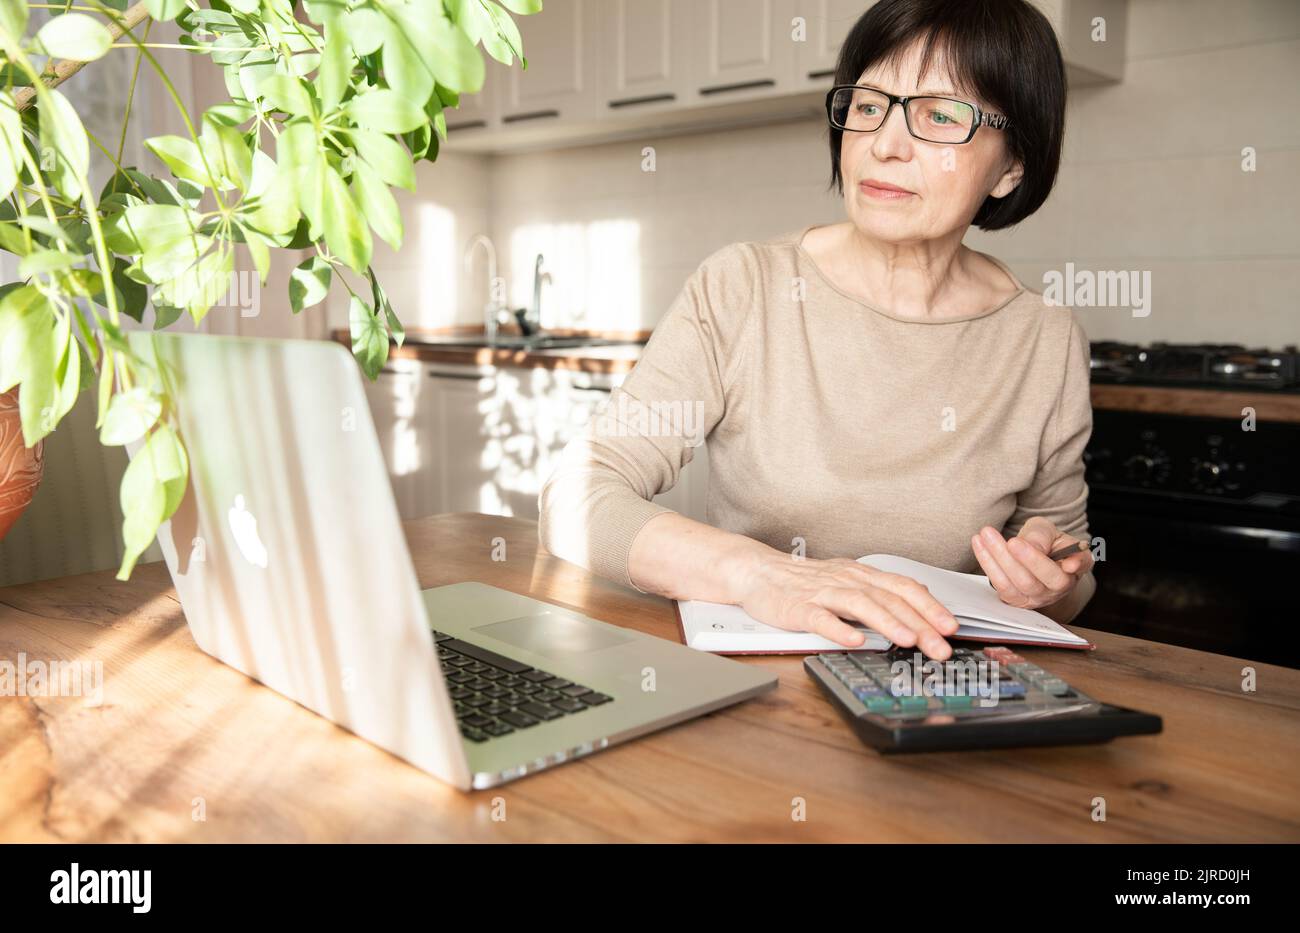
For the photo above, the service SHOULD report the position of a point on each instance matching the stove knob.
(1140, 467)
(1209, 475)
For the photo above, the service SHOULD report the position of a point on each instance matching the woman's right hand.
(818, 595)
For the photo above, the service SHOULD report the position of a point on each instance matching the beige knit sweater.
(832, 423)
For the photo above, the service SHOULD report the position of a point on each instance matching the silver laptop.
(289, 560)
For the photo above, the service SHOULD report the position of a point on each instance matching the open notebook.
(981, 615)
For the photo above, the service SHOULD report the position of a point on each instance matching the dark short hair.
(1003, 51)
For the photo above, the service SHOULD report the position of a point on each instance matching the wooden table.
(180, 736)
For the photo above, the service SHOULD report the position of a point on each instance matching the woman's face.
(942, 185)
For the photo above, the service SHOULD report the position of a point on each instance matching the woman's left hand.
(1019, 568)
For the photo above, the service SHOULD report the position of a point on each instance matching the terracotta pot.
(20, 467)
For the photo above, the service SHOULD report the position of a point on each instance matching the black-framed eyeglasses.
(947, 120)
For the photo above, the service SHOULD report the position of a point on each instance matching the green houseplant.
(331, 103)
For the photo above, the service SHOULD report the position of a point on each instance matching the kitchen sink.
(517, 342)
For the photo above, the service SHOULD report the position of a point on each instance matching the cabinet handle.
(534, 115)
(466, 125)
(818, 75)
(470, 377)
(651, 99)
(743, 86)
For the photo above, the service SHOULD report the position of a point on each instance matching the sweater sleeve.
(599, 496)
(1058, 491)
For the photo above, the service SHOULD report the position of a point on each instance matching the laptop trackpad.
(553, 635)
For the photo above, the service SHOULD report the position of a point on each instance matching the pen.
(1068, 550)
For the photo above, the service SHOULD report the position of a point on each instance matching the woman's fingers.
(823, 622)
(919, 598)
(1019, 576)
(1077, 563)
(1001, 582)
(889, 615)
(1047, 571)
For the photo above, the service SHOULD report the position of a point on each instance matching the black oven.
(1200, 520)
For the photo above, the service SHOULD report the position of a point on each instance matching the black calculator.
(900, 701)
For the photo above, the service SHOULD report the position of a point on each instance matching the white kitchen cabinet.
(465, 472)
(480, 113)
(406, 421)
(563, 47)
(743, 49)
(1093, 36)
(466, 439)
(826, 23)
(645, 54)
(684, 65)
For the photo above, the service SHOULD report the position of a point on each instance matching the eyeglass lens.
(934, 119)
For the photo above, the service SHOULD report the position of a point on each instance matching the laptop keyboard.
(495, 695)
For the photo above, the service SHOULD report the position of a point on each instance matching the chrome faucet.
(495, 306)
(534, 316)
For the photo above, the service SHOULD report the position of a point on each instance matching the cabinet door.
(743, 49)
(479, 113)
(406, 421)
(467, 467)
(826, 24)
(647, 54)
(562, 48)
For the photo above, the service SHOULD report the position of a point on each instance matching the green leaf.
(385, 111)
(148, 227)
(502, 40)
(105, 386)
(342, 224)
(23, 316)
(381, 210)
(182, 156)
(11, 143)
(200, 285)
(288, 94)
(523, 7)
(165, 315)
(152, 488)
(130, 414)
(13, 18)
(271, 205)
(45, 261)
(74, 36)
(132, 296)
(369, 339)
(67, 379)
(365, 26)
(38, 394)
(309, 283)
(227, 152)
(459, 65)
(408, 42)
(335, 68)
(64, 138)
(383, 304)
(389, 160)
(258, 250)
(162, 10)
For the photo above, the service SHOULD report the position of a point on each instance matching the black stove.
(1200, 516)
(1198, 365)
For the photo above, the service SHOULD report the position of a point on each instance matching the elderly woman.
(870, 386)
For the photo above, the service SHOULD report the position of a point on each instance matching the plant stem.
(63, 70)
(130, 94)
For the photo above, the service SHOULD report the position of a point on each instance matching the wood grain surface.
(184, 748)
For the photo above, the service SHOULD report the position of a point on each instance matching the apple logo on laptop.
(243, 525)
